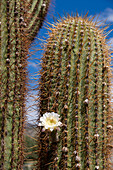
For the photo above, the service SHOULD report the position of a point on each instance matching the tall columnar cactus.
(13, 75)
(75, 83)
(12, 90)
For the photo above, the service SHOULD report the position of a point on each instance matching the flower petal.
(50, 121)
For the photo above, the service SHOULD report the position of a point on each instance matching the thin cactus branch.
(36, 11)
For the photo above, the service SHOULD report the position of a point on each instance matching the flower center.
(51, 121)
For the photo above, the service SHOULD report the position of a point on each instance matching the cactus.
(13, 84)
(75, 83)
(13, 74)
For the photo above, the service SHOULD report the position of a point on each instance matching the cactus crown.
(75, 83)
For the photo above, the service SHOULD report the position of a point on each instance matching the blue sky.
(102, 7)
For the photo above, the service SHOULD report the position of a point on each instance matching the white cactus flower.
(50, 121)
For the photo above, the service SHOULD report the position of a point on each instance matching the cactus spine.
(75, 83)
(13, 74)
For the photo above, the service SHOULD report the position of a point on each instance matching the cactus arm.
(37, 11)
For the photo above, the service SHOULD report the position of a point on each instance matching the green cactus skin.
(36, 12)
(13, 74)
(75, 83)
